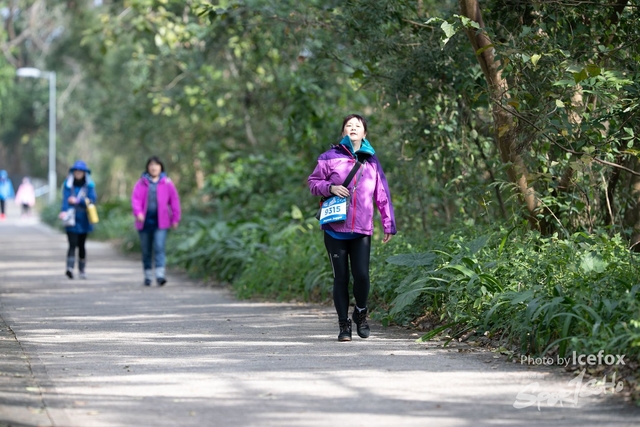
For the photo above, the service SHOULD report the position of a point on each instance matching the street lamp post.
(51, 75)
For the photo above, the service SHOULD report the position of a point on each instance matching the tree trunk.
(503, 209)
(504, 126)
(609, 195)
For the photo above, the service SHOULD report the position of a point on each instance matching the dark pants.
(1, 205)
(340, 252)
(25, 209)
(76, 241)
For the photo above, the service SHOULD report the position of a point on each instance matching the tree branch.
(568, 150)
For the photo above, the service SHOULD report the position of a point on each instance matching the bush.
(216, 248)
(547, 295)
(293, 265)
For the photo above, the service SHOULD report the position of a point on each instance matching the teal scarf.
(365, 146)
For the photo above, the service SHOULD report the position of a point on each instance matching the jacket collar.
(146, 178)
(365, 146)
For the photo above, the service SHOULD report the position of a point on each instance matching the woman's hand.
(62, 215)
(387, 237)
(174, 225)
(339, 190)
(72, 200)
(140, 217)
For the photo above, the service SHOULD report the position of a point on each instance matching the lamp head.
(28, 72)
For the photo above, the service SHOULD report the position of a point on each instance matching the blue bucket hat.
(79, 165)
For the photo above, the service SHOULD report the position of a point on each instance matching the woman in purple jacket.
(156, 207)
(350, 240)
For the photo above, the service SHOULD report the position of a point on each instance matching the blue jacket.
(82, 220)
(6, 188)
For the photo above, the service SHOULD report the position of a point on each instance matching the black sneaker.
(69, 274)
(147, 282)
(360, 319)
(161, 281)
(345, 330)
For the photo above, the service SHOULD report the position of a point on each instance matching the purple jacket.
(371, 185)
(168, 202)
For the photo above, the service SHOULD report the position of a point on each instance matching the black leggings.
(1, 205)
(76, 241)
(340, 252)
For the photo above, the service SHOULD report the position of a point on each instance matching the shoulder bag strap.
(349, 177)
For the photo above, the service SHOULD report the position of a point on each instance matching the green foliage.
(292, 266)
(545, 294)
(270, 259)
(259, 186)
(571, 85)
(218, 249)
(255, 234)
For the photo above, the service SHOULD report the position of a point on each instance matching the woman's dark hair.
(155, 159)
(354, 116)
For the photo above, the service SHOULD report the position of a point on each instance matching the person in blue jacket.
(77, 188)
(6, 192)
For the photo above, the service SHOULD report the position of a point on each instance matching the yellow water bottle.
(92, 212)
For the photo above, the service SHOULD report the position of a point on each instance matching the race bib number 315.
(334, 209)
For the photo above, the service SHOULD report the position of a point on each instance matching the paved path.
(109, 352)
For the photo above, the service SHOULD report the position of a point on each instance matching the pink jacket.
(26, 195)
(168, 202)
(370, 184)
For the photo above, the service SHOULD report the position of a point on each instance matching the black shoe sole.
(147, 283)
(344, 339)
(161, 282)
(69, 274)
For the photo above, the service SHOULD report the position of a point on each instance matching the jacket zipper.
(355, 186)
(353, 220)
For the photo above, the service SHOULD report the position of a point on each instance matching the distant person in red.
(26, 196)
(156, 208)
(6, 192)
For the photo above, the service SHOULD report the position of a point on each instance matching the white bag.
(69, 217)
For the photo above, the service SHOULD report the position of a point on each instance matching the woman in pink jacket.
(350, 239)
(156, 208)
(26, 196)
